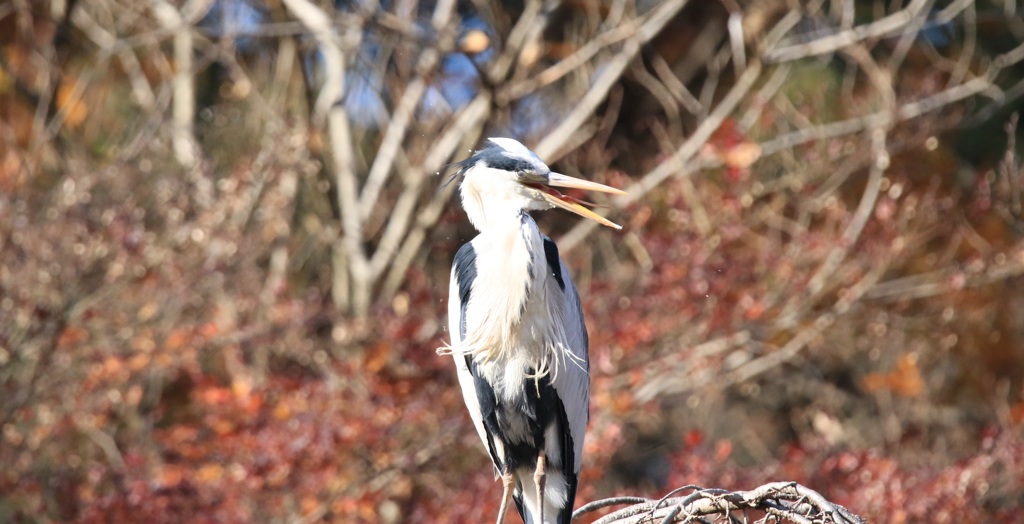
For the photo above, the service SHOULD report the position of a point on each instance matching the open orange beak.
(571, 204)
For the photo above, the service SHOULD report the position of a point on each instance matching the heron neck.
(495, 217)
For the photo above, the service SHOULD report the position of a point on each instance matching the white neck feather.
(493, 199)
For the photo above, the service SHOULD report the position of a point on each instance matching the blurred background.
(225, 241)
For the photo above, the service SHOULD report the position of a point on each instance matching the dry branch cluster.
(777, 501)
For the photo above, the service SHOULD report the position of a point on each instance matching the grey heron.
(518, 335)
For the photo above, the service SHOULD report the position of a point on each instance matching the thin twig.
(402, 116)
(680, 163)
(829, 44)
(605, 503)
(855, 125)
(527, 29)
(578, 58)
(466, 129)
(185, 146)
(610, 75)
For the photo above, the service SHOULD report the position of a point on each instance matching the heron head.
(505, 171)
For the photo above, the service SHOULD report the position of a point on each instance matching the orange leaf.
(147, 311)
(171, 475)
(138, 361)
(74, 109)
(216, 395)
(222, 426)
(377, 357)
(210, 473)
(178, 338)
(904, 381)
(112, 365)
(309, 504)
(282, 411)
(72, 336)
(209, 330)
(1017, 413)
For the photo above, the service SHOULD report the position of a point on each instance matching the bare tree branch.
(829, 44)
(350, 255)
(680, 163)
(465, 130)
(179, 23)
(398, 126)
(527, 29)
(905, 112)
(578, 58)
(786, 501)
(656, 19)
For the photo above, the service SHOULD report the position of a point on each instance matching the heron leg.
(540, 477)
(507, 481)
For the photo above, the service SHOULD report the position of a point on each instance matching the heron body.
(518, 335)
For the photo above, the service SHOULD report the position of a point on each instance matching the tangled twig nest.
(776, 501)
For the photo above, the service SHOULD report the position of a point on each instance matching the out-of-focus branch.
(465, 130)
(785, 501)
(528, 28)
(907, 38)
(1010, 57)
(186, 149)
(947, 280)
(883, 84)
(670, 371)
(572, 62)
(829, 44)
(108, 42)
(1005, 97)
(739, 53)
(860, 217)
(674, 85)
(905, 112)
(806, 318)
(662, 95)
(402, 116)
(663, 382)
(611, 73)
(681, 163)
(351, 267)
(320, 25)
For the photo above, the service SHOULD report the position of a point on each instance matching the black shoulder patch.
(551, 254)
(465, 274)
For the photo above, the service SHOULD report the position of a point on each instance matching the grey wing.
(572, 378)
(459, 294)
